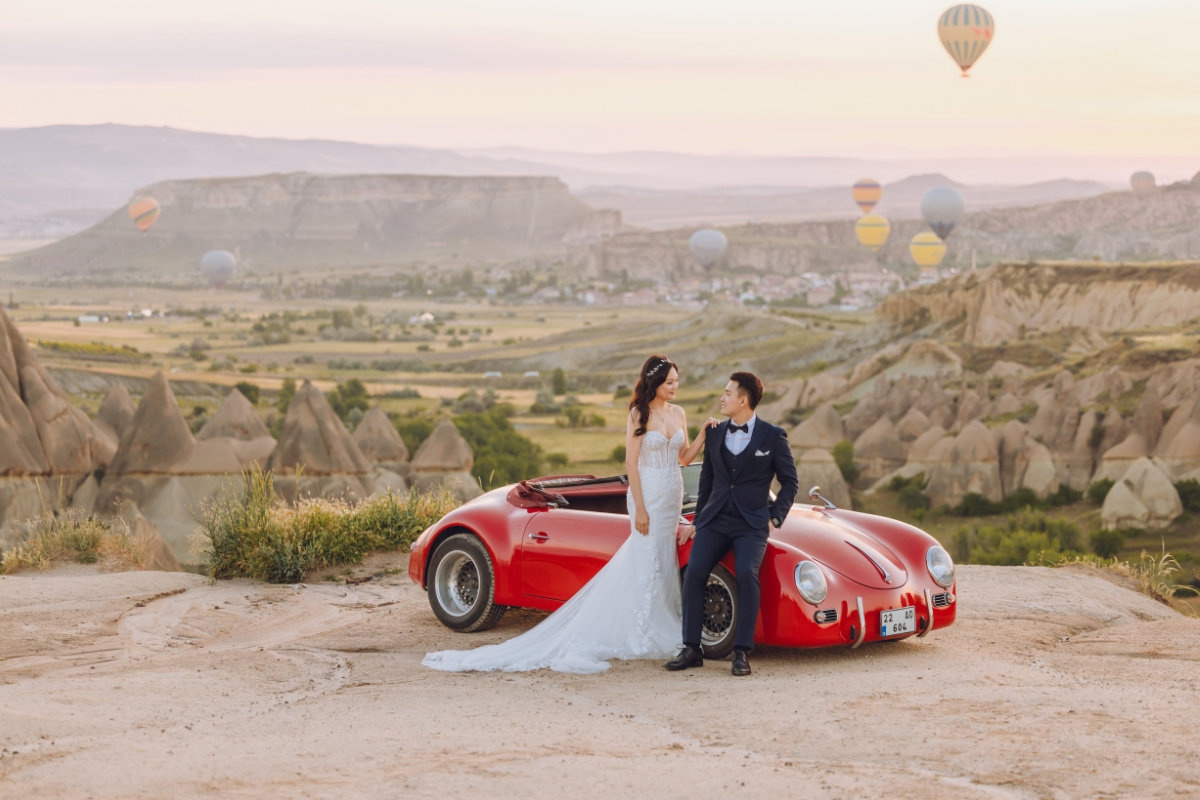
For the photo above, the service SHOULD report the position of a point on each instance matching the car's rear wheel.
(461, 584)
(720, 613)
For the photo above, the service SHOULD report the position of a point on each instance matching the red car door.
(564, 548)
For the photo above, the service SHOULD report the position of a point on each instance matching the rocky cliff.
(301, 220)
(1003, 302)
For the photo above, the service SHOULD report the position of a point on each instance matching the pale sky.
(864, 78)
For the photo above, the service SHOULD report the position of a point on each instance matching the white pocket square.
(761, 453)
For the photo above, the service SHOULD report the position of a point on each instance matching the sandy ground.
(1053, 684)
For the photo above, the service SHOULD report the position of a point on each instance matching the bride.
(631, 608)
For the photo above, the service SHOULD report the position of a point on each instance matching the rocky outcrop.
(158, 436)
(1116, 461)
(878, 452)
(969, 464)
(1179, 444)
(822, 430)
(315, 440)
(236, 419)
(113, 418)
(777, 411)
(379, 442)
(912, 425)
(817, 468)
(445, 459)
(1143, 497)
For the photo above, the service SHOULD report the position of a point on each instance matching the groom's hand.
(686, 532)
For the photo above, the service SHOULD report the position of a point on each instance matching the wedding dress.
(629, 610)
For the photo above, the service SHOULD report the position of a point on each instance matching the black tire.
(720, 614)
(461, 584)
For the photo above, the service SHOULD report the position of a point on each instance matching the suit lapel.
(760, 432)
(716, 438)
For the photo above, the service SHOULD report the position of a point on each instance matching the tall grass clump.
(253, 534)
(71, 535)
(1154, 574)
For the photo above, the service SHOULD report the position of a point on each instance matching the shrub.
(73, 535)
(912, 498)
(1027, 537)
(1107, 543)
(1189, 494)
(558, 381)
(501, 454)
(414, 429)
(622, 392)
(342, 319)
(544, 403)
(557, 459)
(249, 390)
(1098, 491)
(254, 535)
(349, 395)
(843, 454)
(618, 453)
(975, 505)
(286, 393)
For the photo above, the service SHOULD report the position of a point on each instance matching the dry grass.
(1154, 574)
(256, 535)
(75, 536)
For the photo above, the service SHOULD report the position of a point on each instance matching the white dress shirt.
(737, 441)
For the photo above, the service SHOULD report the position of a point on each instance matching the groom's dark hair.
(749, 387)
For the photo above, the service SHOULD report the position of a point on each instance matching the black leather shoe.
(688, 657)
(741, 664)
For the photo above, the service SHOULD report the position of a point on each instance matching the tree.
(286, 393)
(349, 395)
(249, 391)
(843, 454)
(559, 381)
(342, 319)
(501, 454)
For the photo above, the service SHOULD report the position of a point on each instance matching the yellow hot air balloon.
(866, 193)
(966, 31)
(144, 213)
(872, 231)
(927, 249)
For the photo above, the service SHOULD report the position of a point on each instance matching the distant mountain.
(659, 210)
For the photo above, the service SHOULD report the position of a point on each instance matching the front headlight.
(810, 582)
(941, 567)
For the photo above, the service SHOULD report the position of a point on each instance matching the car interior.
(607, 495)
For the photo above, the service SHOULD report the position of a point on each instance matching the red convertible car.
(830, 576)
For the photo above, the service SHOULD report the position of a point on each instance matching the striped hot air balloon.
(144, 213)
(927, 249)
(866, 193)
(966, 31)
(872, 231)
(1142, 182)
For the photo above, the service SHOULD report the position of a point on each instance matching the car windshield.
(691, 487)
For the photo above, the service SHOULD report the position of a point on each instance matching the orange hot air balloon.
(144, 213)
(866, 193)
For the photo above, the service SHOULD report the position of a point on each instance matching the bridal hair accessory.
(651, 373)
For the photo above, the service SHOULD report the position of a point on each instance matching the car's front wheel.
(461, 584)
(720, 613)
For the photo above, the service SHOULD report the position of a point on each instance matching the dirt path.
(1053, 684)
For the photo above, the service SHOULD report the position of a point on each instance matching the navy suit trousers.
(727, 531)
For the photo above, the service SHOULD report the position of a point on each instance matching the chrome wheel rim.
(718, 611)
(457, 583)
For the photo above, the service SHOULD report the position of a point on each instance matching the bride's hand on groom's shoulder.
(711, 422)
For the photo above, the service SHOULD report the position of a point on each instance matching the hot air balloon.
(942, 208)
(927, 249)
(218, 267)
(866, 193)
(144, 213)
(966, 31)
(872, 231)
(1142, 182)
(708, 246)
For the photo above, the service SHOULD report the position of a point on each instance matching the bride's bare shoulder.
(677, 411)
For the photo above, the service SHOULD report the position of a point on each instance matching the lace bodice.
(659, 452)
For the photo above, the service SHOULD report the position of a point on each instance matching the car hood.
(842, 546)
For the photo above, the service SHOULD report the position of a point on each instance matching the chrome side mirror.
(814, 494)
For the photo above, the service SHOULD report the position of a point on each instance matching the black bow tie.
(743, 428)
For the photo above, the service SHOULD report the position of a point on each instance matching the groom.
(733, 512)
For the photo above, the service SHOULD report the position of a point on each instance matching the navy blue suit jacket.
(768, 456)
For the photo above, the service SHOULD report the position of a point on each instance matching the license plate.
(898, 621)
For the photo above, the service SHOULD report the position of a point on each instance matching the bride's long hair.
(653, 375)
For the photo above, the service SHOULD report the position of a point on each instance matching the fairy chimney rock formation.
(879, 451)
(445, 459)
(235, 419)
(821, 430)
(968, 463)
(379, 442)
(158, 437)
(115, 414)
(315, 440)
(1144, 497)
(817, 468)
